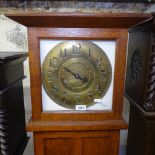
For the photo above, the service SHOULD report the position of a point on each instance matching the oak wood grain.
(39, 126)
(77, 143)
(118, 35)
(81, 20)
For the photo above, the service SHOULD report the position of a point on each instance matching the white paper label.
(97, 100)
(80, 107)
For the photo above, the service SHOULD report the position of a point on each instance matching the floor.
(29, 148)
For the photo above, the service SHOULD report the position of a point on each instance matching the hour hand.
(83, 79)
(77, 75)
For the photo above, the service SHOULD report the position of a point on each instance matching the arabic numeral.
(76, 48)
(50, 76)
(89, 53)
(99, 61)
(55, 88)
(77, 97)
(54, 62)
(64, 96)
(90, 95)
(63, 53)
(98, 87)
(103, 72)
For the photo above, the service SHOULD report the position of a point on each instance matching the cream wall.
(13, 38)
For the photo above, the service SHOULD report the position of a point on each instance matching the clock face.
(76, 73)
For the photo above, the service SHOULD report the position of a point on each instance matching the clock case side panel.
(137, 66)
(141, 89)
(119, 35)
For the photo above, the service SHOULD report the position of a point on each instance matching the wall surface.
(13, 36)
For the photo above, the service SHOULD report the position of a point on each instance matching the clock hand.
(77, 75)
(68, 70)
(83, 79)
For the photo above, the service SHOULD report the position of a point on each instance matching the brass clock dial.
(76, 73)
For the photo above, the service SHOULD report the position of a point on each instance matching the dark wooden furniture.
(77, 132)
(13, 137)
(140, 88)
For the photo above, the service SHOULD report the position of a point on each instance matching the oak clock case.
(95, 131)
(77, 74)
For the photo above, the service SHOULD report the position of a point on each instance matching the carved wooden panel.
(4, 149)
(140, 75)
(150, 87)
(141, 92)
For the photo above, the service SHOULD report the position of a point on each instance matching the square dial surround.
(104, 103)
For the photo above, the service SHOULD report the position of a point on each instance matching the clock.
(76, 73)
(100, 101)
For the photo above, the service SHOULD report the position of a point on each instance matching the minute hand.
(68, 70)
(77, 75)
